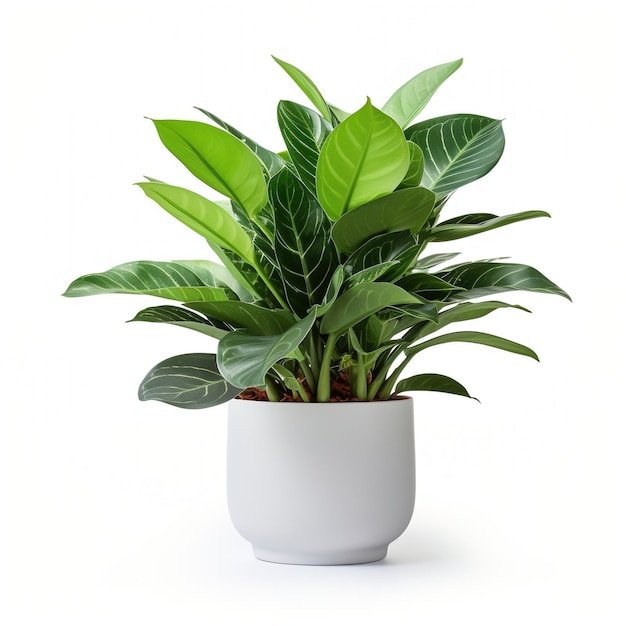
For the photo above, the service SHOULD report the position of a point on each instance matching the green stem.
(273, 392)
(387, 388)
(361, 378)
(381, 374)
(323, 384)
(313, 354)
(296, 386)
(308, 374)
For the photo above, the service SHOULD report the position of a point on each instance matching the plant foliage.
(324, 272)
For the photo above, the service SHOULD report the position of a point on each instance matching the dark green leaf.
(171, 280)
(415, 172)
(380, 249)
(188, 381)
(370, 274)
(433, 260)
(304, 250)
(432, 382)
(179, 317)
(251, 318)
(244, 359)
(304, 132)
(427, 286)
(462, 226)
(486, 278)
(406, 209)
(458, 149)
(332, 292)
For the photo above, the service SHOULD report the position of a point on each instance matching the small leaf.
(308, 87)
(413, 176)
(218, 159)
(457, 229)
(433, 260)
(405, 104)
(474, 337)
(380, 249)
(203, 216)
(364, 158)
(458, 149)
(244, 359)
(406, 209)
(370, 274)
(178, 316)
(188, 381)
(332, 292)
(432, 382)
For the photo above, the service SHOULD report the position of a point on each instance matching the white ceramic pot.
(321, 484)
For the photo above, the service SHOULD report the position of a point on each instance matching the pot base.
(338, 557)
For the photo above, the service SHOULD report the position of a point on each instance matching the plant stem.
(308, 374)
(387, 388)
(381, 375)
(361, 378)
(292, 382)
(323, 384)
(273, 393)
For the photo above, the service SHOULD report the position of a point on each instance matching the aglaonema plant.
(323, 274)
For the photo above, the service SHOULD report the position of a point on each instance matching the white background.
(113, 511)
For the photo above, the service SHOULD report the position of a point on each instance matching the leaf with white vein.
(304, 250)
(304, 132)
(177, 316)
(432, 382)
(245, 359)
(458, 149)
(171, 280)
(187, 381)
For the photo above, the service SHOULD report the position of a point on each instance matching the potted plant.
(323, 296)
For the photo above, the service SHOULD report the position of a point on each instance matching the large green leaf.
(432, 382)
(484, 339)
(187, 381)
(217, 275)
(405, 104)
(308, 87)
(171, 280)
(413, 176)
(361, 301)
(427, 286)
(458, 149)
(304, 249)
(178, 316)
(304, 132)
(203, 216)
(218, 159)
(380, 249)
(468, 225)
(271, 160)
(370, 274)
(486, 278)
(406, 209)
(364, 158)
(433, 260)
(251, 318)
(245, 359)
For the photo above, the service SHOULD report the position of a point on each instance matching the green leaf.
(304, 250)
(458, 149)
(413, 176)
(172, 280)
(332, 292)
(178, 316)
(203, 216)
(304, 132)
(433, 260)
(432, 382)
(370, 274)
(406, 209)
(217, 275)
(251, 318)
(308, 87)
(338, 113)
(244, 359)
(459, 313)
(364, 158)
(484, 339)
(405, 104)
(272, 161)
(187, 381)
(361, 301)
(380, 249)
(427, 286)
(456, 228)
(218, 159)
(486, 278)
